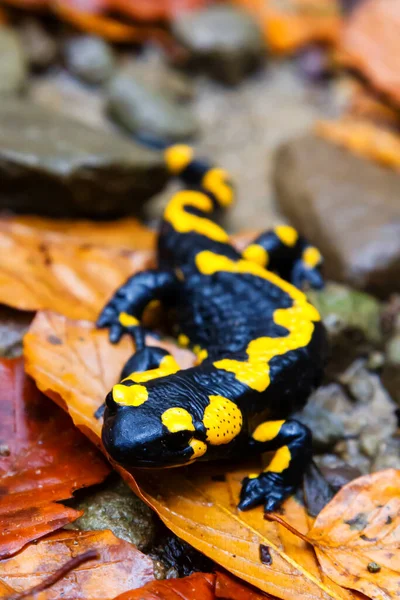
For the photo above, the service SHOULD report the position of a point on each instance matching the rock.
(224, 41)
(388, 455)
(53, 165)
(393, 350)
(13, 326)
(117, 508)
(326, 427)
(89, 58)
(349, 451)
(151, 69)
(40, 48)
(13, 71)
(343, 308)
(346, 206)
(391, 381)
(147, 112)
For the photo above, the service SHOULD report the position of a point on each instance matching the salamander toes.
(267, 488)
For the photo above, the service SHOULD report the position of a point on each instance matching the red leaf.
(120, 566)
(199, 586)
(43, 459)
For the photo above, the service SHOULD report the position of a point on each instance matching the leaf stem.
(69, 566)
(278, 519)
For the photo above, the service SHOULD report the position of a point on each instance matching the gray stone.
(40, 48)
(145, 111)
(89, 58)
(116, 507)
(347, 206)
(13, 70)
(224, 41)
(50, 164)
(326, 427)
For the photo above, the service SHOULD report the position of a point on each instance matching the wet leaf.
(119, 568)
(364, 138)
(290, 24)
(70, 267)
(198, 503)
(43, 459)
(357, 535)
(199, 586)
(370, 42)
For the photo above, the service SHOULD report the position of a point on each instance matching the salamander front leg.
(123, 312)
(292, 442)
(284, 251)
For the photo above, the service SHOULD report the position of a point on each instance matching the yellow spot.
(128, 320)
(267, 431)
(280, 460)
(196, 349)
(133, 395)
(177, 419)
(184, 222)
(257, 254)
(178, 157)
(199, 448)
(311, 257)
(222, 419)
(298, 320)
(288, 235)
(183, 340)
(216, 181)
(168, 366)
(201, 356)
(252, 475)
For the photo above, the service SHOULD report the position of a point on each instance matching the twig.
(278, 519)
(69, 566)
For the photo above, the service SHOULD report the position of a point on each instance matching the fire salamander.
(260, 344)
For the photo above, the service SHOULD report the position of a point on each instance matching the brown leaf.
(119, 568)
(199, 586)
(43, 459)
(197, 503)
(371, 44)
(291, 24)
(364, 138)
(70, 267)
(357, 535)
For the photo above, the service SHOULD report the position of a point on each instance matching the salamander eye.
(179, 440)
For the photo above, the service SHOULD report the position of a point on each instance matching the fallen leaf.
(199, 586)
(72, 268)
(357, 535)
(119, 568)
(364, 138)
(199, 503)
(43, 459)
(291, 24)
(370, 43)
(231, 588)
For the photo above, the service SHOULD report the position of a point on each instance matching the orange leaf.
(199, 586)
(364, 138)
(70, 267)
(43, 459)
(290, 24)
(119, 568)
(357, 535)
(371, 43)
(197, 503)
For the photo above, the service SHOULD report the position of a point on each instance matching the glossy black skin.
(222, 313)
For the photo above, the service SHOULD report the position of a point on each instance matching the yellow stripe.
(133, 395)
(298, 320)
(257, 254)
(216, 181)
(184, 222)
(168, 366)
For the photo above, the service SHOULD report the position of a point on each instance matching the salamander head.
(139, 433)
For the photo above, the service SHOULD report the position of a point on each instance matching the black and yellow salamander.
(260, 344)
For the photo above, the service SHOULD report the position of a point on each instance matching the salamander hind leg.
(292, 444)
(287, 253)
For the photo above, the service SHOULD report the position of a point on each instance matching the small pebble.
(89, 58)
